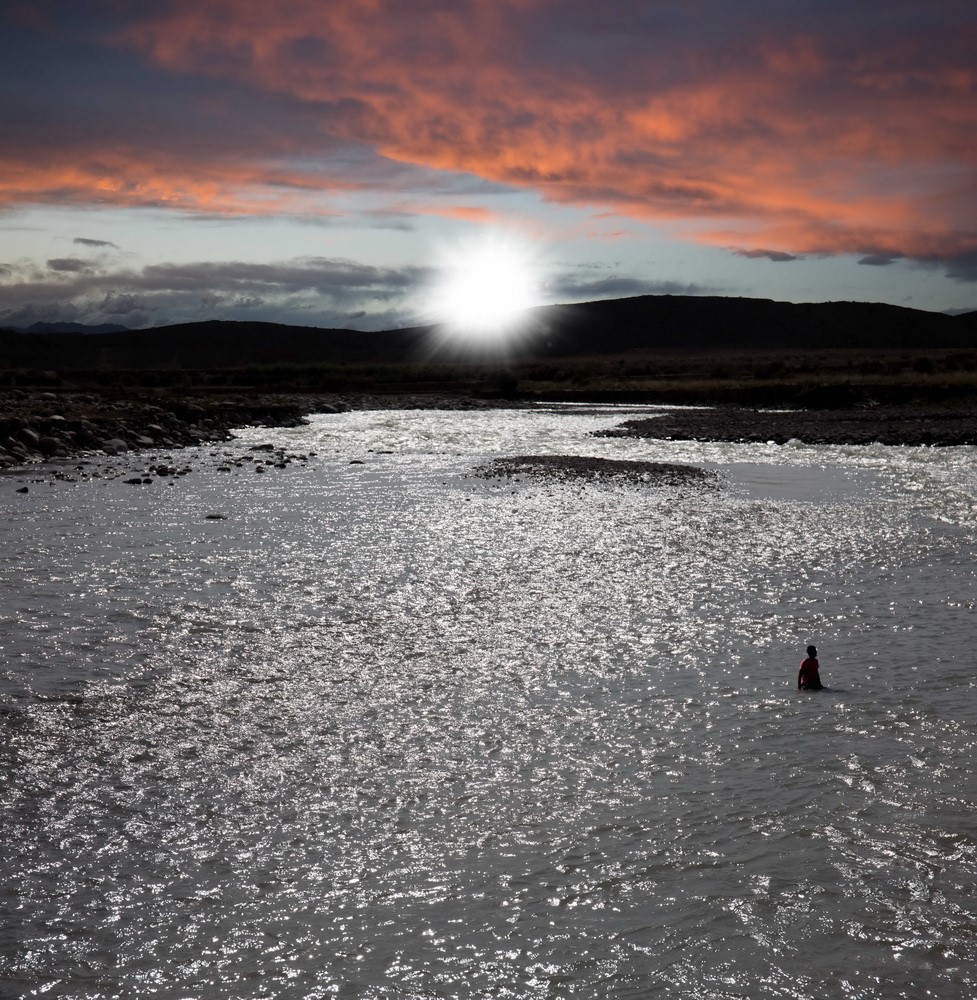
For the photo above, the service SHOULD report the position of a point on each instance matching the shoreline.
(46, 426)
(898, 426)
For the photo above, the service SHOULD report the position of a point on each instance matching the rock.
(565, 468)
(143, 442)
(888, 426)
(135, 481)
(216, 517)
(49, 445)
(23, 489)
(29, 437)
(115, 446)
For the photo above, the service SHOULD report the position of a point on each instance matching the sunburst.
(484, 289)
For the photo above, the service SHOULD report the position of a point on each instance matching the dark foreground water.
(386, 731)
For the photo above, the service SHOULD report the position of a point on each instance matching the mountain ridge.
(666, 323)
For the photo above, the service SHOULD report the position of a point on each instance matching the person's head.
(812, 650)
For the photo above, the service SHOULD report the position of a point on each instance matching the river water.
(389, 731)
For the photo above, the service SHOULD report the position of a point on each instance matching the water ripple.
(388, 731)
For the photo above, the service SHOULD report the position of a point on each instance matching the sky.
(317, 161)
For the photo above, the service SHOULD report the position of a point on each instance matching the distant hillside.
(710, 323)
(967, 321)
(685, 324)
(215, 344)
(72, 328)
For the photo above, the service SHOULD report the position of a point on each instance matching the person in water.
(808, 678)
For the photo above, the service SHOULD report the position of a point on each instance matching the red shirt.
(808, 675)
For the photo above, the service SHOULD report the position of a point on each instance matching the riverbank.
(38, 426)
(882, 425)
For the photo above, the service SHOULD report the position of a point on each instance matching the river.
(387, 730)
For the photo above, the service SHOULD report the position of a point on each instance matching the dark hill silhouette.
(967, 321)
(700, 323)
(213, 344)
(682, 324)
(72, 328)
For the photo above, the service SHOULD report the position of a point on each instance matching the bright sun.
(484, 288)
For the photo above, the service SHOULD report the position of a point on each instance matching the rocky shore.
(889, 426)
(40, 426)
(56, 426)
(51, 426)
(583, 467)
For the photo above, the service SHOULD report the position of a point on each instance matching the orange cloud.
(765, 129)
(130, 178)
(464, 213)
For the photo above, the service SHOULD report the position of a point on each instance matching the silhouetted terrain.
(710, 323)
(71, 328)
(215, 344)
(660, 323)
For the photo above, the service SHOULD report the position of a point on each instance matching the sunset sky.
(310, 161)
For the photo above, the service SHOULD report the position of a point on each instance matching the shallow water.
(391, 731)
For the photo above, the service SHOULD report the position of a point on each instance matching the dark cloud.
(70, 264)
(573, 287)
(315, 291)
(963, 267)
(83, 241)
(877, 260)
(778, 256)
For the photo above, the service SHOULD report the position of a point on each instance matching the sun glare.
(483, 288)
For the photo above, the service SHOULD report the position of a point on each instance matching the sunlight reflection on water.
(391, 731)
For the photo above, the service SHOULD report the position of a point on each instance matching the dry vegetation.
(943, 377)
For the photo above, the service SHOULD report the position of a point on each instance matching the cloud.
(311, 291)
(778, 256)
(839, 124)
(569, 286)
(782, 128)
(83, 241)
(878, 259)
(963, 267)
(315, 291)
(70, 264)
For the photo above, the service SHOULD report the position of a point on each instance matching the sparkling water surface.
(390, 731)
